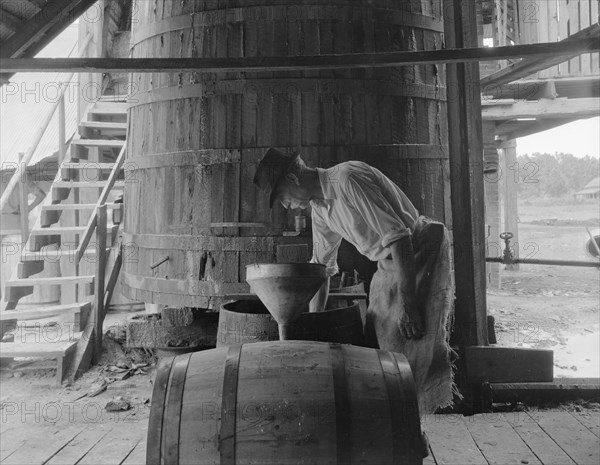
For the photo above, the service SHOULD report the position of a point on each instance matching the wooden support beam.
(544, 108)
(23, 201)
(9, 20)
(466, 170)
(530, 66)
(534, 89)
(295, 63)
(99, 310)
(508, 364)
(39, 30)
(534, 127)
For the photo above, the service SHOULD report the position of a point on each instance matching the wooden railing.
(98, 223)
(19, 174)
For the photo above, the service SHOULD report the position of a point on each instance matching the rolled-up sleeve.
(377, 212)
(325, 244)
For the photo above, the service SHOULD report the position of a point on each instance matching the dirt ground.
(538, 306)
(553, 307)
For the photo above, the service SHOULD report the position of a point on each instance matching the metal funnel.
(285, 289)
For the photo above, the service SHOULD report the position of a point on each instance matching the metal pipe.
(533, 261)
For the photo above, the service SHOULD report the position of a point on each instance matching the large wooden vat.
(246, 321)
(290, 402)
(195, 139)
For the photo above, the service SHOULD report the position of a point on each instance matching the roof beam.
(9, 20)
(349, 61)
(571, 87)
(529, 66)
(54, 16)
(534, 127)
(544, 108)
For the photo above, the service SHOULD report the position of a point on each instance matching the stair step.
(44, 312)
(78, 206)
(84, 184)
(55, 280)
(109, 108)
(114, 98)
(98, 142)
(62, 351)
(112, 125)
(86, 165)
(36, 349)
(57, 231)
(54, 255)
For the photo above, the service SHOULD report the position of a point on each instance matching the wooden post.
(23, 200)
(511, 183)
(61, 130)
(98, 316)
(466, 170)
(492, 191)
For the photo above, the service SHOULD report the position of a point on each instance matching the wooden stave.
(268, 401)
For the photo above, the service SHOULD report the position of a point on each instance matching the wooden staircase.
(88, 182)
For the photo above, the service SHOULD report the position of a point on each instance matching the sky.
(579, 138)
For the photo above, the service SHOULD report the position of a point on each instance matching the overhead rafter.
(571, 87)
(544, 108)
(529, 66)
(533, 128)
(41, 28)
(10, 20)
(356, 60)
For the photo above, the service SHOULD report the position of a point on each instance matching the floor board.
(78, 447)
(138, 455)
(112, 449)
(498, 441)
(572, 436)
(450, 441)
(542, 445)
(589, 419)
(534, 438)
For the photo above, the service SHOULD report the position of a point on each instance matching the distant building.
(590, 191)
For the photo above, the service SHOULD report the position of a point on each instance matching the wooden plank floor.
(84, 444)
(539, 437)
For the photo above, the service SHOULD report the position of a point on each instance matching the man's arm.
(411, 323)
(325, 248)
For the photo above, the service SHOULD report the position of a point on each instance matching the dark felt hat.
(271, 170)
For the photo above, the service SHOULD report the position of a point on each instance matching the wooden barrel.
(193, 218)
(286, 402)
(245, 321)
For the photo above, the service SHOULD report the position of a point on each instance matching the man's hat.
(271, 170)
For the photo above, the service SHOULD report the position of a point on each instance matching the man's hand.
(411, 323)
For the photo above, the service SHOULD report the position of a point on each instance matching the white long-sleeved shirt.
(364, 207)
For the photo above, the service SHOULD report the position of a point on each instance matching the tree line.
(558, 175)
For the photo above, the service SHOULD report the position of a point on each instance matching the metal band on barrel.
(396, 399)
(172, 417)
(229, 405)
(156, 421)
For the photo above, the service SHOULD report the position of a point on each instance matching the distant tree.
(558, 175)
